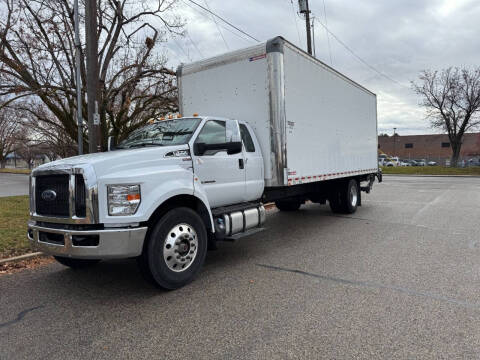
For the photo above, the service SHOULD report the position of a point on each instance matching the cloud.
(398, 38)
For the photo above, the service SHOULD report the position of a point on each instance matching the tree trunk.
(3, 163)
(455, 153)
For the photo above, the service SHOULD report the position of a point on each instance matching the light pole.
(394, 135)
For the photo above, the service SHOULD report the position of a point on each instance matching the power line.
(328, 37)
(359, 58)
(181, 48)
(209, 18)
(194, 45)
(218, 27)
(222, 19)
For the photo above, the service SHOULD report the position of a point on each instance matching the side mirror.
(199, 148)
(111, 143)
(234, 147)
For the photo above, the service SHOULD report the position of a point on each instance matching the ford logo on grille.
(49, 195)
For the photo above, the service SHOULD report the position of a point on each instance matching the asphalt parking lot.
(13, 184)
(398, 279)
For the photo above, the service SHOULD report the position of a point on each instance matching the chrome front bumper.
(112, 243)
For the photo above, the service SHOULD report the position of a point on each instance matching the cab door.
(221, 174)
(254, 173)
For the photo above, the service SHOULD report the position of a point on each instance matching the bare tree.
(28, 151)
(49, 135)
(9, 130)
(37, 55)
(452, 100)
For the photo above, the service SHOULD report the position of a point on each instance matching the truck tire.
(287, 205)
(76, 263)
(345, 198)
(175, 250)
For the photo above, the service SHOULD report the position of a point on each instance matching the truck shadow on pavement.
(122, 277)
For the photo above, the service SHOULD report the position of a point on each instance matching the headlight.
(123, 199)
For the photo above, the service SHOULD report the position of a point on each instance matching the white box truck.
(275, 125)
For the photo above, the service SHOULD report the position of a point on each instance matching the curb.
(21, 257)
(13, 172)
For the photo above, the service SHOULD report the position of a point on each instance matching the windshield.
(163, 133)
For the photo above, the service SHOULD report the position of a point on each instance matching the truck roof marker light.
(195, 114)
(170, 116)
(179, 116)
(162, 118)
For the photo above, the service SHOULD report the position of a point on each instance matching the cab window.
(247, 138)
(214, 132)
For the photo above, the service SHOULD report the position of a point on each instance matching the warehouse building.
(430, 147)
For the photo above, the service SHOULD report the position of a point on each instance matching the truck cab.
(105, 205)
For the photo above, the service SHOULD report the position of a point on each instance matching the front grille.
(80, 195)
(57, 205)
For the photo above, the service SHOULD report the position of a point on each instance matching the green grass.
(430, 170)
(13, 226)
(15, 171)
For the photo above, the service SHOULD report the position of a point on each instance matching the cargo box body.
(312, 122)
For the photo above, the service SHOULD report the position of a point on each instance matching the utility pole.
(303, 6)
(78, 81)
(394, 136)
(94, 137)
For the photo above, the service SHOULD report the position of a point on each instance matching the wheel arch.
(184, 200)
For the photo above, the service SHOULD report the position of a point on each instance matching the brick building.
(430, 147)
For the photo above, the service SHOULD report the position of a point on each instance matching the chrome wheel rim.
(353, 196)
(180, 247)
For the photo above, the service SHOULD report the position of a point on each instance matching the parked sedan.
(421, 162)
(432, 163)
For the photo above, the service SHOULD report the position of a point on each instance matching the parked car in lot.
(432, 163)
(405, 163)
(420, 162)
(473, 162)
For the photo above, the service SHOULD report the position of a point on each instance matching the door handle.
(241, 164)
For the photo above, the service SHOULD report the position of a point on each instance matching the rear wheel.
(176, 249)
(76, 263)
(288, 205)
(345, 198)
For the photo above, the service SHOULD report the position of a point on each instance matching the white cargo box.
(312, 122)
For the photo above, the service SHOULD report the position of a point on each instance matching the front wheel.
(76, 263)
(176, 249)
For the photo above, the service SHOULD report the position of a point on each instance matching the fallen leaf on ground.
(13, 267)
